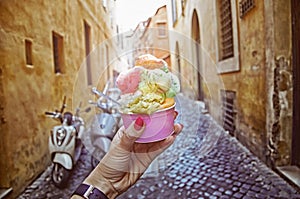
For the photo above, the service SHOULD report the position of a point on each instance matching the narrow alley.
(204, 162)
(239, 59)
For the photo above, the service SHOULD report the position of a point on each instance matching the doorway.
(197, 45)
(292, 172)
(295, 6)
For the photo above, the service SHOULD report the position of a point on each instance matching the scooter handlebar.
(100, 105)
(92, 102)
(100, 94)
(50, 113)
(95, 91)
(54, 115)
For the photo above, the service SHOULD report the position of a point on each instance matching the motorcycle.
(65, 143)
(106, 123)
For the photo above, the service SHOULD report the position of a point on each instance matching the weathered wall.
(278, 60)
(250, 81)
(160, 44)
(147, 39)
(180, 35)
(263, 101)
(27, 91)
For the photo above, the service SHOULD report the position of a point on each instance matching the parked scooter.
(106, 123)
(65, 143)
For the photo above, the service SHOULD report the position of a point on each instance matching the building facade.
(240, 58)
(152, 36)
(156, 35)
(49, 50)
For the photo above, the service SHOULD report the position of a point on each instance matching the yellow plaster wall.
(248, 83)
(281, 91)
(28, 91)
(251, 80)
(255, 79)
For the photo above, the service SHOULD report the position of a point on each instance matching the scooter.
(65, 143)
(106, 123)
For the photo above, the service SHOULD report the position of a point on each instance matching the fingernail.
(139, 123)
(176, 113)
(181, 125)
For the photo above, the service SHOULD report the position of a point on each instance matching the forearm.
(96, 180)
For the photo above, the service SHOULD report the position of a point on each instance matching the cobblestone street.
(204, 162)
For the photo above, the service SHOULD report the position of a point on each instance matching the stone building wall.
(160, 43)
(280, 90)
(258, 77)
(28, 90)
(250, 81)
(180, 43)
(146, 38)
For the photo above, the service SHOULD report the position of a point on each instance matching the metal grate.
(226, 29)
(228, 109)
(246, 6)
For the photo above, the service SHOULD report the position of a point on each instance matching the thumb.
(132, 133)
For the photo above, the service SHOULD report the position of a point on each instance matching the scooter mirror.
(94, 90)
(92, 102)
(87, 109)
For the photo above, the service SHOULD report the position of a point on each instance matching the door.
(296, 82)
(196, 37)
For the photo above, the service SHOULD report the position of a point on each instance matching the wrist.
(103, 185)
(88, 191)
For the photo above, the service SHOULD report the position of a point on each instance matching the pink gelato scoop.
(128, 81)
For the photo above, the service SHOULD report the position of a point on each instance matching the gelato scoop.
(147, 87)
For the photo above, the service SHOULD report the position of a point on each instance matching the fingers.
(119, 154)
(133, 132)
(169, 140)
(177, 129)
(175, 115)
(158, 147)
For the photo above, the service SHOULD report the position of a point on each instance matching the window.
(87, 37)
(246, 6)
(174, 11)
(229, 111)
(28, 52)
(58, 55)
(227, 52)
(226, 36)
(162, 26)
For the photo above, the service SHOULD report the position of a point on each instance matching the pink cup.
(159, 125)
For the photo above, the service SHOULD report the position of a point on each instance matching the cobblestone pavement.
(43, 188)
(204, 162)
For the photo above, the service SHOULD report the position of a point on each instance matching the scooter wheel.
(94, 162)
(97, 155)
(60, 176)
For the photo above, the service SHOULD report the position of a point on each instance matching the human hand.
(127, 160)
